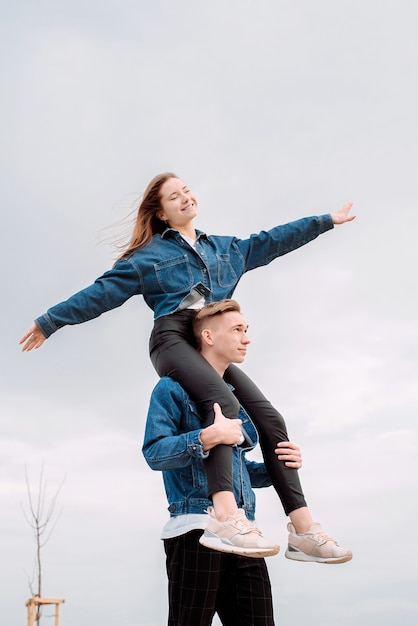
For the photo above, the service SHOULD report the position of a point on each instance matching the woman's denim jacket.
(171, 275)
(172, 445)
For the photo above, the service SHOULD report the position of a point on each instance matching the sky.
(269, 111)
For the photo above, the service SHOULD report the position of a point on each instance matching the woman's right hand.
(34, 338)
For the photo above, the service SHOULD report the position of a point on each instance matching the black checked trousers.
(202, 582)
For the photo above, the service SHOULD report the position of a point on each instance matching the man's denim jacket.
(171, 275)
(172, 445)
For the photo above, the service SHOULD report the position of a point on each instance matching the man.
(202, 581)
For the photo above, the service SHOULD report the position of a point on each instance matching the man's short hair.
(209, 312)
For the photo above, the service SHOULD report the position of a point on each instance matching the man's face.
(229, 335)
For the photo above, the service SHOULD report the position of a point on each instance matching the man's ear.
(207, 337)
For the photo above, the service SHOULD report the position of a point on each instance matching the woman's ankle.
(301, 519)
(224, 505)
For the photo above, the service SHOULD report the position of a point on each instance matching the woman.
(178, 269)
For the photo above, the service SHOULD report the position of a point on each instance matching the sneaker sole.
(216, 543)
(294, 554)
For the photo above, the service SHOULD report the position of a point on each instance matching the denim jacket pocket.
(174, 274)
(226, 273)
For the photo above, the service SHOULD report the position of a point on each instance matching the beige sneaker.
(315, 545)
(237, 536)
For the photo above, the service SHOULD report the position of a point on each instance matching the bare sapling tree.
(42, 518)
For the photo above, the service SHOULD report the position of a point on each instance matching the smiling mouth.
(189, 206)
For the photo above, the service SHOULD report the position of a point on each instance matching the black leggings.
(173, 353)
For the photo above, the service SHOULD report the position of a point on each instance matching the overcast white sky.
(270, 110)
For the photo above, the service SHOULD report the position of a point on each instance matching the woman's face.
(178, 204)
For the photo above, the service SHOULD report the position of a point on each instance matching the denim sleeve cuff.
(46, 325)
(196, 447)
(325, 223)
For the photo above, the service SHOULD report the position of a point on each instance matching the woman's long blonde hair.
(147, 223)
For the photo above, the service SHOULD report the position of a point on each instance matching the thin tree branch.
(39, 521)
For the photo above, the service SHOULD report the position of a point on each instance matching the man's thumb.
(217, 409)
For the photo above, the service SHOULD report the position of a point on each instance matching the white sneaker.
(237, 535)
(315, 545)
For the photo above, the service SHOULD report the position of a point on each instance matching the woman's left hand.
(289, 453)
(342, 216)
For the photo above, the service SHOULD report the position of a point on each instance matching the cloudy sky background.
(270, 111)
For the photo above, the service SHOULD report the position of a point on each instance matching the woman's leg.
(173, 355)
(307, 540)
(271, 429)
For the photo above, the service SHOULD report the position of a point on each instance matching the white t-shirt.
(201, 302)
(182, 524)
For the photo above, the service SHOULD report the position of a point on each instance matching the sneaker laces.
(320, 537)
(238, 520)
(244, 525)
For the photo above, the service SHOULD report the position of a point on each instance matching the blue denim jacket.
(172, 445)
(171, 275)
